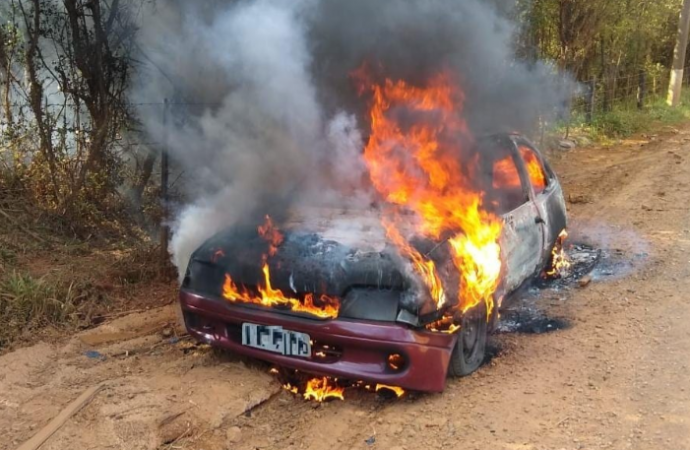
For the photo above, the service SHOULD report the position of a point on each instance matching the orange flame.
(398, 391)
(425, 267)
(505, 174)
(269, 232)
(534, 170)
(325, 307)
(320, 389)
(324, 388)
(414, 159)
(559, 258)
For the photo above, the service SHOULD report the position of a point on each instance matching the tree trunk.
(33, 30)
(6, 79)
(676, 83)
(143, 179)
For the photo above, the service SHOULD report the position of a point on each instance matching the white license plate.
(276, 339)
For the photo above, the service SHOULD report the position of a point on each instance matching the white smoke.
(259, 134)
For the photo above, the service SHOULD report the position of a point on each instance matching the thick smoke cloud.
(271, 116)
(413, 40)
(253, 133)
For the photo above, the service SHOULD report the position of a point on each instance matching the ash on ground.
(524, 314)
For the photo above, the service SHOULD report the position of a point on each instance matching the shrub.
(28, 303)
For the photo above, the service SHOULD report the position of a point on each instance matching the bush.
(620, 123)
(27, 303)
(625, 119)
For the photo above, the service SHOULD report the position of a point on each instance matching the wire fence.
(633, 91)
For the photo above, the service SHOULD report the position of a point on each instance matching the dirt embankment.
(616, 378)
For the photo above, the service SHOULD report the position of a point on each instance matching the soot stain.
(532, 323)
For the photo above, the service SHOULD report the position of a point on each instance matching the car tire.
(470, 349)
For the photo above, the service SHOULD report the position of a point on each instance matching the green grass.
(625, 119)
(28, 303)
(7, 256)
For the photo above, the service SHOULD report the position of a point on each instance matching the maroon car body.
(379, 335)
(363, 347)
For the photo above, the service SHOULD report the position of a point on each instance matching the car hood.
(338, 253)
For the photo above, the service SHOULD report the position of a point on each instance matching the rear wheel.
(470, 350)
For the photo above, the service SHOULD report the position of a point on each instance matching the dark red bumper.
(364, 346)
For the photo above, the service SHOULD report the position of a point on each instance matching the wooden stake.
(46, 432)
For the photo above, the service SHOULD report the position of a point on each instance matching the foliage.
(27, 303)
(626, 119)
(65, 68)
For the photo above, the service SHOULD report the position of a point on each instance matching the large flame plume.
(413, 155)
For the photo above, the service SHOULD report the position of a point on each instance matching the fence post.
(542, 127)
(589, 112)
(606, 105)
(165, 229)
(641, 89)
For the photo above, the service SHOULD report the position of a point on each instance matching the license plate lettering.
(276, 339)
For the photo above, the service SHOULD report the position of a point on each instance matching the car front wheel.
(470, 350)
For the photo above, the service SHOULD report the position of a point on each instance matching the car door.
(522, 237)
(546, 193)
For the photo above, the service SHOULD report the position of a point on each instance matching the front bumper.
(363, 346)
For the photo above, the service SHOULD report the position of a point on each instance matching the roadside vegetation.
(626, 120)
(52, 280)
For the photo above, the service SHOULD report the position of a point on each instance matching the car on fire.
(328, 295)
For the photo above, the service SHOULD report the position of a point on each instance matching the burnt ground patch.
(525, 313)
(532, 323)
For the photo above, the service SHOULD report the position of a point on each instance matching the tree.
(676, 82)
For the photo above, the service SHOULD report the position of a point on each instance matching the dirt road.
(617, 377)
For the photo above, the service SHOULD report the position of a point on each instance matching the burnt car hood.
(336, 253)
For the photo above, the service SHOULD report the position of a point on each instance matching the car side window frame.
(509, 144)
(548, 173)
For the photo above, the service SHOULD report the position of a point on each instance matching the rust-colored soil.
(617, 378)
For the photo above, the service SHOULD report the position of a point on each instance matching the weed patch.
(28, 303)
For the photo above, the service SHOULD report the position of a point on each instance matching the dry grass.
(53, 280)
(28, 304)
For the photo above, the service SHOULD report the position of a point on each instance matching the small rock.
(167, 332)
(93, 354)
(566, 144)
(583, 141)
(584, 281)
(579, 199)
(233, 434)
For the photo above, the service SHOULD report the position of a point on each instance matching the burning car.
(364, 295)
(402, 292)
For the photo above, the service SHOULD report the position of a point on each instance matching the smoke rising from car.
(264, 111)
